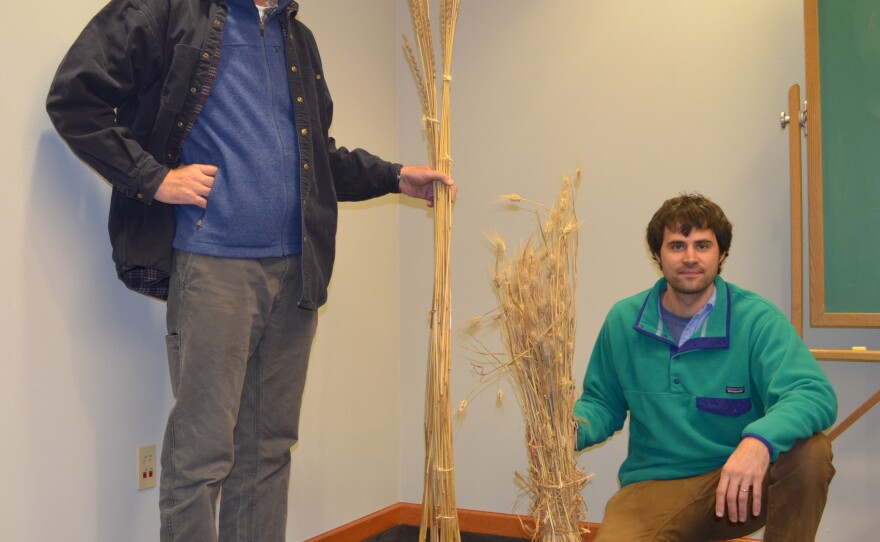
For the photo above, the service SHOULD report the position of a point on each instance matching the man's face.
(690, 263)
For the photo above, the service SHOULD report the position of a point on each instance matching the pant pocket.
(172, 345)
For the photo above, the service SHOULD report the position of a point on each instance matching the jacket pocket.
(723, 406)
(317, 95)
(175, 89)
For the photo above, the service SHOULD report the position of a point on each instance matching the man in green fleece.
(726, 402)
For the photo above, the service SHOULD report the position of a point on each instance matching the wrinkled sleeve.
(798, 399)
(116, 55)
(359, 175)
(602, 407)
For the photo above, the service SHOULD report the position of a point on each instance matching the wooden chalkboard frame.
(797, 243)
(819, 316)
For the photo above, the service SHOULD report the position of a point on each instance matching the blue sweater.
(247, 129)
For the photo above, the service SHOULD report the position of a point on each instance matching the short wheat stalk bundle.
(536, 292)
(439, 511)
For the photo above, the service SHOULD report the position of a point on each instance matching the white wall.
(347, 464)
(651, 98)
(84, 377)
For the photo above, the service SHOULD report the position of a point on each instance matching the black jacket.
(129, 91)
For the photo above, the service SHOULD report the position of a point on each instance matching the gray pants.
(238, 349)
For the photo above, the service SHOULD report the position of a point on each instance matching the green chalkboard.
(849, 186)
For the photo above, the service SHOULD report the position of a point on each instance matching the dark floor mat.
(410, 533)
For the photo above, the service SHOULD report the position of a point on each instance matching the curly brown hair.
(684, 213)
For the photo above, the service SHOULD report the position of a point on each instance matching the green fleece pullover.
(745, 372)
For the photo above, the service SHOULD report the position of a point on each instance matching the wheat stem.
(439, 512)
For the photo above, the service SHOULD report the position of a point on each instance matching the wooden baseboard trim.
(472, 521)
(365, 527)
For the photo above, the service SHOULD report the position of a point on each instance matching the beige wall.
(650, 98)
(347, 463)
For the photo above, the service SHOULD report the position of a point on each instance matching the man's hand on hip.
(187, 185)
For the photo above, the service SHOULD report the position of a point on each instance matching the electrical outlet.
(146, 462)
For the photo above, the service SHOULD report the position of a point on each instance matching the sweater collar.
(649, 323)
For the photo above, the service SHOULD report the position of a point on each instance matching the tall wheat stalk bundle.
(439, 511)
(536, 292)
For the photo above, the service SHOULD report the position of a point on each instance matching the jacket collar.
(649, 322)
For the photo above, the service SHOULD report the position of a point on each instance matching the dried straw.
(439, 511)
(536, 292)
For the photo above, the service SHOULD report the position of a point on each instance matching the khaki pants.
(795, 491)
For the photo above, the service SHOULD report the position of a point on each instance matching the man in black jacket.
(210, 119)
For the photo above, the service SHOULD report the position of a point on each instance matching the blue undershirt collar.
(695, 322)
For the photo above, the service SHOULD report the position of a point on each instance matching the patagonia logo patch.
(735, 389)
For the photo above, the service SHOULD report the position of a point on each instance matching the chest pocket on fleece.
(723, 406)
